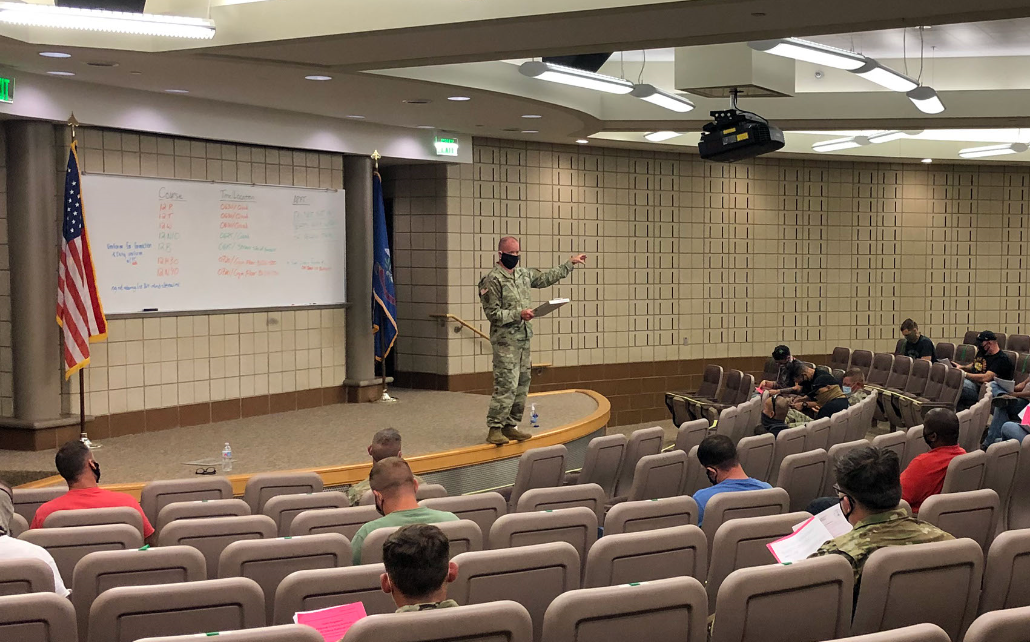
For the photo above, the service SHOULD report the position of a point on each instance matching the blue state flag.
(384, 299)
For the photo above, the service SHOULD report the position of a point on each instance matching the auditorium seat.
(964, 354)
(501, 620)
(915, 445)
(325, 587)
(965, 472)
(880, 369)
(658, 476)
(538, 468)
(1000, 476)
(944, 350)
(158, 494)
(807, 601)
(1006, 571)
(128, 613)
(284, 508)
(576, 526)
(677, 401)
(37, 617)
(840, 358)
(1002, 341)
(1009, 625)
(18, 525)
(895, 441)
(269, 561)
(789, 441)
(27, 500)
(836, 451)
(966, 429)
(602, 463)
(95, 517)
(741, 543)
(745, 385)
(672, 610)
(901, 370)
(210, 535)
(970, 337)
(973, 514)
(899, 347)
(530, 575)
(681, 551)
(104, 570)
(635, 517)
(755, 455)
(199, 509)
(729, 390)
(464, 536)
(285, 633)
(264, 486)
(913, 410)
(916, 386)
(27, 575)
(69, 545)
(818, 434)
(430, 491)
(863, 360)
(726, 421)
(803, 476)
(723, 507)
(588, 495)
(839, 422)
(915, 633)
(642, 442)
(861, 417)
(937, 583)
(345, 521)
(481, 508)
(1019, 503)
(1018, 343)
(770, 370)
(696, 477)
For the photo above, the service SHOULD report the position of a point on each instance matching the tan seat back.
(690, 434)
(464, 536)
(345, 521)
(27, 500)
(658, 476)
(1000, 475)
(1019, 502)
(803, 476)
(836, 451)
(818, 435)
(1009, 625)
(634, 517)
(284, 633)
(538, 468)
(973, 514)
(500, 620)
(210, 535)
(681, 551)
(602, 462)
(576, 526)
(264, 486)
(895, 441)
(95, 517)
(1006, 572)
(965, 472)
(325, 587)
(37, 617)
(158, 494)
(755, 454)
(723, 507)
(28, 575)
(481, 508)
(199, 509)
(69, 545)
(914, 445)
(284, 508)
(588, 495)
(646, 441)
(915, 633)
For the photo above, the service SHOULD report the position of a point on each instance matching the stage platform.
(443, 433)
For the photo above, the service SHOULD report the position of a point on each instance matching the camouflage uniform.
(504, 296)
(797, 418)
(355, 492)
(429, 606)
(890, 528)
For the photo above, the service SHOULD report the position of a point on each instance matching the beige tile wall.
(180, 360)
(696, 260)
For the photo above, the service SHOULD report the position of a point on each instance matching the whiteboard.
(174, 245)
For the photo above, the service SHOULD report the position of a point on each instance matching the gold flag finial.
(375, 157)
(73, 123)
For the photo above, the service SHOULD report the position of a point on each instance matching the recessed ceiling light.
(355, 116)
(582, 141)
(177, 91)
(316, 77)
(417, 101)
(458, 99)
(927, 160)
(54, 54)
(530, 131)
(61, 73)
(424, 127)
(531, 116)
(135, 73)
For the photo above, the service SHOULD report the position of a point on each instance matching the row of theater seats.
(945, 584)
(718, 390)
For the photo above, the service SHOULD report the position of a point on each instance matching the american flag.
(79, 312)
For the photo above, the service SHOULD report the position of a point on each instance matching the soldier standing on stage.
(504, 292)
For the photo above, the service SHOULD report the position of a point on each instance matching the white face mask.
(846, 389)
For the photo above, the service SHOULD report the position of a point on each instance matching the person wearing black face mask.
(505, 295)
(869, 491)
(75, 463)
(718, 455)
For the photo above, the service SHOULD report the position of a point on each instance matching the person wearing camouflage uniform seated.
(504, 293)
(854, 389)
(869, 491)
(418, 568)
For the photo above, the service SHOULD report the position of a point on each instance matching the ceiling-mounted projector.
(134, 6)
(736, 135)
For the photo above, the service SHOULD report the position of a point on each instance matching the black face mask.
(509, 260)
(926, 439)
(851, 503)
(379, 506)
(96, 471)
(711, 479)
(912, 338)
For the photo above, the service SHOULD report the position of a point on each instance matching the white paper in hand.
(550, 306)
(801, 543)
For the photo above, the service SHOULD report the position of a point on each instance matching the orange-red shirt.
(79, 498)
(924, 475)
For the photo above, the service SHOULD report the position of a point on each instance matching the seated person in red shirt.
(924, 475)
(76, 464)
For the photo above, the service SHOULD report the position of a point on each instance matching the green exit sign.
(6, 90)
(446, 146)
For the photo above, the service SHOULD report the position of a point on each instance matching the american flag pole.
(72, 122)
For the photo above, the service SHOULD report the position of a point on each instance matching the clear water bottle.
(226, 458)
(533, 417)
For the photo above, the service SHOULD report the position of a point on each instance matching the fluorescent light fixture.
(143, 24)
(582, 141)
(886, 77)
(532, 116)
(926, 100)
(458, 99)
(657, 137)
(838, 144)
(993, 150)
(662, 98)
(355, 116)
(61, 73)
(812, 52)
(54, 54)
(888, 136)
(926, 160)
(575, 77)
(320, 78)
(530, 131)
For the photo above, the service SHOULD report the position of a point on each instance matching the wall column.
(361, 381)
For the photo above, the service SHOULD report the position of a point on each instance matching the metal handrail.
(462, 322)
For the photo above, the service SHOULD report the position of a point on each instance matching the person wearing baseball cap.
(989, 365)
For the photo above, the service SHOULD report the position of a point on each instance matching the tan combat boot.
(496, 437)
(512, 432)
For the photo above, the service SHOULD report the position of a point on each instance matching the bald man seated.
(394, 486)
(385, 443)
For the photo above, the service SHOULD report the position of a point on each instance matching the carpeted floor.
(429, 421)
